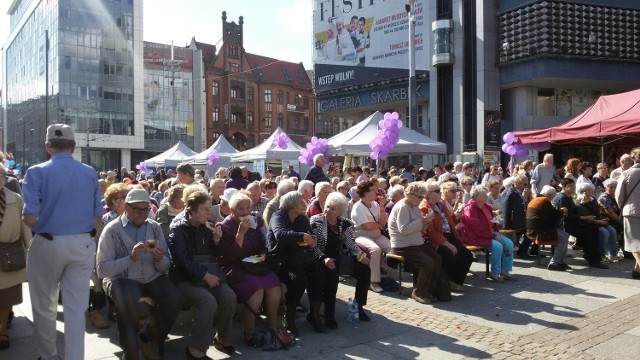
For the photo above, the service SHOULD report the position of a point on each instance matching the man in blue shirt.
(316, 174)
(292, 173)
(62, 205)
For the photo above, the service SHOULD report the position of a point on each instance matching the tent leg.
(602, 153)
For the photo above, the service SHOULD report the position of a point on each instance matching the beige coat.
(626, 182)
(10, 230)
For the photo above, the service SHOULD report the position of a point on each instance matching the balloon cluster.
(281, 139)
(512, 147)
(142, 166)
(387, 137)
(213, 157)
(313, 147)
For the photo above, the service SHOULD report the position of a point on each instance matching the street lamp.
(413, 120)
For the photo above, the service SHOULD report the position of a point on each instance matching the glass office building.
(77, 62)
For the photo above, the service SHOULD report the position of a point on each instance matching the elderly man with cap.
(133, 259)
(61, 256)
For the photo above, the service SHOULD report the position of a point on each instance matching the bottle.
(352, 313)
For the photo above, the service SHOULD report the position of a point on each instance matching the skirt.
(631, 233)
(11, 296)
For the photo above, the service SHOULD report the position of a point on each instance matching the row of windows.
(237, 93)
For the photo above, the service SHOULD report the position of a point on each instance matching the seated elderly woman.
(292, 255)
(192, 246)
(305, 188)
(396, 193)
(543, 221)
(444, 238)
(243, 241)
(480, 229)
(170, 209)
(336, 237)
(369, 217)
(452, 197)
(607, 235)
(284, 186)
(610, 207)
(322, 190)
(221, 211)
(406, 226)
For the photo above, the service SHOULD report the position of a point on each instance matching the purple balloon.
(302, 160)
(374, 155)
(509, 138)
(304, 152)
(388, 115)
(381, 124)
(400, 124)
(314, 140)
(383, 155)
(386, 142)
(505, 146)
(511, 150)
(387, 123)
(395, 115)
(522, 152)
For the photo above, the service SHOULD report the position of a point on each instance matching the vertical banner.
(492, 129)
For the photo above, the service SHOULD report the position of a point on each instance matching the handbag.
(302, 256)
(256, 268)
(346, 264)
(12, 256)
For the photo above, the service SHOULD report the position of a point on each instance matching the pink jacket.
(477, 228)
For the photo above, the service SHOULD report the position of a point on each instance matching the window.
(250, 94)
(67, 62)
(305, 102)
(250, 119)
(250, 141)
(234, 118)
(306, 124)
(215, 89)
(287, 75)
(280, 96)
(546, 102)
(233, 51)
(216, 114)
(267, 96)
(299, 76)
(234, 68)
(234, 93)
(418, 116)
(267, 119)
(296, 123)
(280, 120)
(296, 100)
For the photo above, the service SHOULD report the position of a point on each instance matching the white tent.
(355, 140)
(172, 157)
(224, 148)
(267, 150)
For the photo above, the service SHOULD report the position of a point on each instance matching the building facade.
(494, 66)
(76, 62)
(249, 96)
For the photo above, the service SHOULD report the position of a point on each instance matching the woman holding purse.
(336, 245)
(13, 234)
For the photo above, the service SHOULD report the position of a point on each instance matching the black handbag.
(258, 269)
(346, 264)
(302, 256)
(13, 256)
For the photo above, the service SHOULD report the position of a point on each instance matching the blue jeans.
(501, 255)
(607, 237)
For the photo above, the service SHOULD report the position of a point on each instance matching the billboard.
(364, 41)
(155, 55)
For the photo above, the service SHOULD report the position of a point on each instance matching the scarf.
(3, 205)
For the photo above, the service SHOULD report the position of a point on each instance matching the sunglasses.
(139, 210)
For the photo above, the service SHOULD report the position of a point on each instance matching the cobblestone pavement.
(582, 314)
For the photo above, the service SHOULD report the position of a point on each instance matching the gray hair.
(583, 186)
(415, 188)
(610, 182)
(316, 157)
(520, 179)
(395, 190)
(252, 185)
(338, 200)
(305, 185)
(285, 186)
(320, 185)
(635, 154)
(547, 156)
(237, 198)
(548, 191)
(289, 200)
(478, 190)
(601, 165)
(214, 180)
(344, 184)
(431, 185)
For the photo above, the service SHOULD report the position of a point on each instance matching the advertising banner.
(364, 41)
(492, 129)
(155, 55)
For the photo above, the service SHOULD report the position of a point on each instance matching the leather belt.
(48, 236)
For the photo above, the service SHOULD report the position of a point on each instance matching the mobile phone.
(151, 244)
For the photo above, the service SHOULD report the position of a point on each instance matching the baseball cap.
(228, 193)
(137, 195)
(111, 173)
(59, 132)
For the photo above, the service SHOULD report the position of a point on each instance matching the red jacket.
(477, 228)
(434, 232)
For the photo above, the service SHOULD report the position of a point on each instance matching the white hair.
(320, 185)
(337, 199)
(610, 182)
(547, 156)
(478, 190)
(396, 190)
(289, 200)
(252, 185)
(237, 198)
(285, 186)
(317, 157)
(583, 186)
(305, 185)
(548, 191)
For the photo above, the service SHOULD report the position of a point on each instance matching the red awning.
(609, 119)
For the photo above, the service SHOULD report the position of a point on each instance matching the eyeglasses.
(139, 210)
(437, 191)
(454, 191)
(418, 196)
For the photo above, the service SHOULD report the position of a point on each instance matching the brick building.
(248, 96)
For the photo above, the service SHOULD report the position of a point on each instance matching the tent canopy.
(267, 150)
(610, 118)
(224, 148)
(355, 140)
(172, 157)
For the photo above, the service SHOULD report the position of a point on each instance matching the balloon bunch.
(512, 147)
(387, 137)
(281, 139)
(313, 147)
(212, 158)
(142, 166)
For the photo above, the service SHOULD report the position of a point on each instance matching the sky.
(281, 29)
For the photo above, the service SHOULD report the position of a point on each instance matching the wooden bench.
(400, 267)
(487, 253)
(542, 243)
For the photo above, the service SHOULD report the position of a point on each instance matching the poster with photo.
(563, 102)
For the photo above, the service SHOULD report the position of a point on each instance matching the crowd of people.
(152, 243)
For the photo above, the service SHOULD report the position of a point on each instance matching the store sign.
(492, 129)
(363, 41)
(369, 97)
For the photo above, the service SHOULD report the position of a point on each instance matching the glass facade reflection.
(71, 61)
(167, 107)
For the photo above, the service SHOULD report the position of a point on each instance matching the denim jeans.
(501, 255)
(607, 238)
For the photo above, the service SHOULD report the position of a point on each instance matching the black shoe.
(566, 267)
(331, 323)
(556, 267)
(227, 349)
(4, 342)
(363, 316)
(635, 275)
(598, 265)
(317, 324)
(523, 256)
(191, 357)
